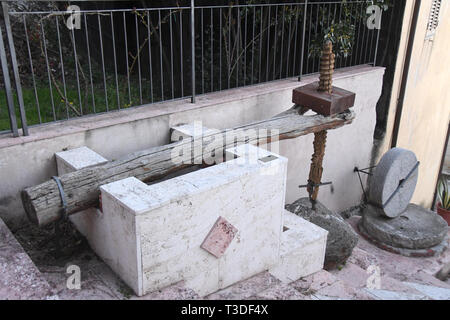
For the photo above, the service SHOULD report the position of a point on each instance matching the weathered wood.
(316, 169)
(42, 203)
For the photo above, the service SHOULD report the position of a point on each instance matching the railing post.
(303, 41)
(378, 41)
(193, 49)
(7, 80)
(12, 51)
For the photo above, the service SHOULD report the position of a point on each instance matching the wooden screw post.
(316, 169)
(326, 68)
(320, 138)
(323, 98)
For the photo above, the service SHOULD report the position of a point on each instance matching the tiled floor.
(401, 278)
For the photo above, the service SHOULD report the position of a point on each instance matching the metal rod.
(367, 44)
(296, 38)
(48, 71)
(138, 55)
(160, 55)
(260, 42)
(171, 53)
(282, 41)
(150, 55)
(103, 61)
(8, 90)
(76, 70)
(303, 40)
(317, 30)
(340, 13)
(126, 56)
(268, 42)
(289, 44)
(62, 67)
(193, 50)
(275, 43)
(181, 54)
(362, 43)
(253, 41)
(201, 35)
(89, 62)
(309, 41)
(212, 53)
(12, 51)
(245, 47)
(115, 61)
(357, 37)
(377, 43)
(63, 13)
(238, 38)
(32, 69)
(354, 35)
(220, 49)
(229, 47)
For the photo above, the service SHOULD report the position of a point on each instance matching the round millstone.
(416, 229)
(392, 170)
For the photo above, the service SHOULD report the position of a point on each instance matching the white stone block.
(76, 159)
(190, 130)
(91, 223)
(165, 224)
(151, 235)
(302, 251)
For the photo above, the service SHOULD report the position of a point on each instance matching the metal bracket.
(311, 185)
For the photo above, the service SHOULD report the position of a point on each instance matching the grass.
(46, 113)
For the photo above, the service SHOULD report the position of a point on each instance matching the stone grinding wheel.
(390, 175)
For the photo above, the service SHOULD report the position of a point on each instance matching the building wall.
(426, 108)
(27, 161)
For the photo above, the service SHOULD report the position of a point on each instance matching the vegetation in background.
(443, 194)
(251, 53)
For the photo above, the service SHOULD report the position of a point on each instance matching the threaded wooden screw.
(327, 68)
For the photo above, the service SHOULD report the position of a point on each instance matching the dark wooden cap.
(323, 102)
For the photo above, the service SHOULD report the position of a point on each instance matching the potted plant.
(443, 206)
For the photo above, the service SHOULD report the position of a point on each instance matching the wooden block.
(323, 102)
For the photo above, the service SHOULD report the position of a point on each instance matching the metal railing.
(117, 58)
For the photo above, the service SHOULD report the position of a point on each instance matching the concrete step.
(302, 249)
(324, 285)
(246, 289)
(20, 279)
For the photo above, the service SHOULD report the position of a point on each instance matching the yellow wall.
(426, 109)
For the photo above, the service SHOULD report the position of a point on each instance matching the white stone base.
(151, 235)
(91, 223)
(302, 249)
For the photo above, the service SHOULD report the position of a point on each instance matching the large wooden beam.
(42, 203)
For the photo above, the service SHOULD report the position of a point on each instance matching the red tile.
(219, 238)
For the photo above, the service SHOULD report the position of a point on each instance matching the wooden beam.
(42, 203)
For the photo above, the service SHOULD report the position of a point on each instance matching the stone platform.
(416, 232)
